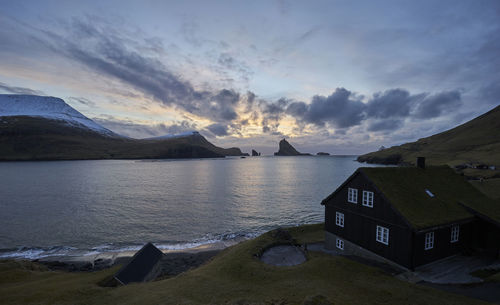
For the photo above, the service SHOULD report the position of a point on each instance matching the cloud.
(432, 106)
(109, 53)
(19, 90)
(136, 130)
(490, 93)
(341, 109)
(391, 103)
(218, 129)
(385, 125)
(83, 101)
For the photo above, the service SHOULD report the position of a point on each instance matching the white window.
(383, 235)
(455, 231)
(352, 196)
(340, 244)
(368, 199)
(429, 240)
(339, 219)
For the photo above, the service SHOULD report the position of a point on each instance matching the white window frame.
(368, 199)
(455, 233)
(352, 195)
(382, 235)
(429, 241)
(339, 219)
(339, 243)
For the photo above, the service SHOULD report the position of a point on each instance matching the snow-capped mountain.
(46, 128)
(48, 107)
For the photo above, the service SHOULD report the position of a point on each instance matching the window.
(383, 235)
(339, 219)
(368, 199)
(429, 240)
(455, 230)
(340, 244)
(352, 196)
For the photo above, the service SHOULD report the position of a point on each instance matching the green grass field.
(489, 187)
(235, 276)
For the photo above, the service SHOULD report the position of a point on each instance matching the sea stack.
(255, 153)
(286, 149)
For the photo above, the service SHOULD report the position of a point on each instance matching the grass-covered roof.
(405, 188)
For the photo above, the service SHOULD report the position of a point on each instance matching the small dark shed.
(144, 266)
(410, 215)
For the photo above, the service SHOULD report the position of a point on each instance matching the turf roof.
(405, 188)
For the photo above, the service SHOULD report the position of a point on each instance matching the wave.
(34, 253)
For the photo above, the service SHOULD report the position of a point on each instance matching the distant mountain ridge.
(476, 141)
(46, 128)
(286, 149)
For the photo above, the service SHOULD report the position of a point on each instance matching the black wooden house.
(410, 215)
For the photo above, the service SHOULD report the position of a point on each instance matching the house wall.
(486, 236)
(443, 247)
(353, 249)
(360, 222)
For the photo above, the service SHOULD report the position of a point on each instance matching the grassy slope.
(235, 276)
(476, 141)
(489, 187)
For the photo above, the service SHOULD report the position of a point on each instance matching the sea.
(75, 208)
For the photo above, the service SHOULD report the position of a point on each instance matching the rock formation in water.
(255, 153)
(286, 149)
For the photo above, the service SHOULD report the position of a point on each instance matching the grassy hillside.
(235, 276)
(32, 138)
(489, 187)
(477, 141)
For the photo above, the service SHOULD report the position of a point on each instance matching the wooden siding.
(360, 222)
(443, 247)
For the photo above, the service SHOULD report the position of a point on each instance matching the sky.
(344, 77)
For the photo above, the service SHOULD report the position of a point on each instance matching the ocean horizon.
(78, 208)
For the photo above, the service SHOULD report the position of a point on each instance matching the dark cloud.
(276, 108)
(218, 129)
(391, 103)
(385, 125)
(341, 109)
(296, 109)
(432, 106)
(19, 90)
(272, 113)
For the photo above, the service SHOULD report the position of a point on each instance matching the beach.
(172, 263)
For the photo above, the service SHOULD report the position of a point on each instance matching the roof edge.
(324, 201)
(479, 214)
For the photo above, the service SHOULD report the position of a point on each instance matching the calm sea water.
(75, 207)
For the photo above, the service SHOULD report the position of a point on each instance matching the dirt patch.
(283, 255)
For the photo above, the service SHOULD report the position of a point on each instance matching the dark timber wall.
(443, 247)
(360, 222)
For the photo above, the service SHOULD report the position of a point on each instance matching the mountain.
(286, 149)
(46, 128)
(477, 141)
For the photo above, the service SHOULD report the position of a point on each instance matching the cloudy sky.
(339, 76)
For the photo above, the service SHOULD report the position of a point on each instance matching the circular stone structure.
(283, 255)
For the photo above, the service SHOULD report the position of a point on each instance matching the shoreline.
(174, 261)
